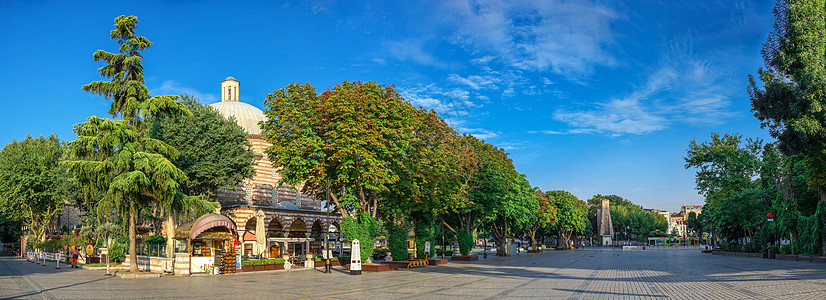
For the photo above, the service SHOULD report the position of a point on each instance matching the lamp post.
(327, 264)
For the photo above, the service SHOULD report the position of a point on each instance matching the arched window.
(229, 93)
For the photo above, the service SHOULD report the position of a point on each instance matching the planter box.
(805, 258)
(464, 258)
(279, 266)
(786, 257)
(269, 267)
(397, 264)
(535, 251)
(819, 259)
(437, 262)
(375, 267)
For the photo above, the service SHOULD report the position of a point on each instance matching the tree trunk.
(133, 257)
(533, 238)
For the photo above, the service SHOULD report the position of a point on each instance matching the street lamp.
(327, 265)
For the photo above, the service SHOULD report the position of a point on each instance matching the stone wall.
(153, 264)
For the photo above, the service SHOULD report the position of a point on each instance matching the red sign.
(771, 215)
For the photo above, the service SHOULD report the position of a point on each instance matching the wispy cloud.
(172, 87)
(479, 133)
(683, 88)
(475, 81)
(412, 50)
(567, 38)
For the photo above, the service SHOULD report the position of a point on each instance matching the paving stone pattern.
(577, 274)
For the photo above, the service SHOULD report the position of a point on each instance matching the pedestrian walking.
(75, 254)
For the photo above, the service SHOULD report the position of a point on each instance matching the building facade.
(271, 218)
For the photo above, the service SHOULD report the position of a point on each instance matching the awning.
(208, 221)
(204, 223)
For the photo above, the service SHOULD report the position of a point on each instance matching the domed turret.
(247, 116)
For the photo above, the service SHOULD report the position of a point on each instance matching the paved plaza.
(575, 274)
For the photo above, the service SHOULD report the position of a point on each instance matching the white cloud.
(567, 38)
(412, 50)
(547, 81)
(682, 89)
(482, 60)
(479, 133)
(475, 81)
(172, 87)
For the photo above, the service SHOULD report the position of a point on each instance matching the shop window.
(247, 250)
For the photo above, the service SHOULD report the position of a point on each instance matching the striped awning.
(208, 221)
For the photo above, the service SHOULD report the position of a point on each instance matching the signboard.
(237, 256)
(427, 249)
(355, 258)
(202, 264)
(90, 250)
(104, 251)
(771, 217)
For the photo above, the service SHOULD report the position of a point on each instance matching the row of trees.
(744, 180)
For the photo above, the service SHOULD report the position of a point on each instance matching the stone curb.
(138, 276)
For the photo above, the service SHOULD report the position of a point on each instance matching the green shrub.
(397, 242)
(774, 249)
(465, 241)
(425, 232)
(116, 252)
(786, 249)
(72, 241)
(362, 228)
(258, 262)
(155, 239)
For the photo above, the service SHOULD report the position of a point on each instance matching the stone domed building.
(271, 219)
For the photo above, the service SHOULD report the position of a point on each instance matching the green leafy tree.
(30, 182)
(570, 217)
(214, 152)
(426, 177)
(544, 217)
(726, 168)
(793, 94)
(515, 212)
(116, 157)
(342, 145)
(131, 168)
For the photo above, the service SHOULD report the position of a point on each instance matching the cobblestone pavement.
(576, 274)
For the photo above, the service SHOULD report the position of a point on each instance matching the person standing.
(75, 254)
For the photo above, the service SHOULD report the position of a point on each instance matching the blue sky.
(588, 97)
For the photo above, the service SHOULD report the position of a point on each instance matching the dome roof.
(230, 79)
(245, 115)
(286, 205)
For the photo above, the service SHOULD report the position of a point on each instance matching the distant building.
(676, 225)
(687, 209)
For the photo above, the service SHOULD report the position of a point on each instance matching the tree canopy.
(30, 182)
